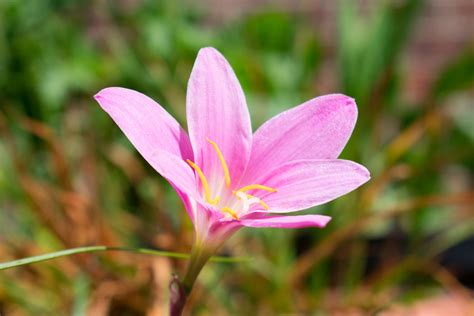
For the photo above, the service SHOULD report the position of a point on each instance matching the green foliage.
(369, 46)
(456, 76)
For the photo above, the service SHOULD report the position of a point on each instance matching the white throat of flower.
(235, 202)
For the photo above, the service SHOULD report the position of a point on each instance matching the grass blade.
(74, 251)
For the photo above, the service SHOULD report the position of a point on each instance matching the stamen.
(230, 211)
(223, 163)
(205, 185)
(265, 206)
(250, 196)
(257, 187)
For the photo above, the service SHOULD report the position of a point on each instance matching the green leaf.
(73, 251)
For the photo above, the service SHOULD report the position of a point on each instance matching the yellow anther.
(230, 211)
(223, 163)
(205, 185)
(257, 187)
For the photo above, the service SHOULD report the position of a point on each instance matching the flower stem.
(180, 291)
(198, 259)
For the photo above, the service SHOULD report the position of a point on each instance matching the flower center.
(237, 201)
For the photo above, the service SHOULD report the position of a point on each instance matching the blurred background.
(400, 245)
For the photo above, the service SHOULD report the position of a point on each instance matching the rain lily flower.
(228, 177)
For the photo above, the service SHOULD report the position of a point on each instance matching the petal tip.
(102, 94)
(210, 53)
(98, 96)
(340, 104)
(208, 50)
(348, 101)
(109, 95)
(365, 173)
(324, 221)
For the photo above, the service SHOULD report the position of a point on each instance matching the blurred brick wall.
(443, 29)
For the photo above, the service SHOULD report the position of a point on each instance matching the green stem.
(73, 251)
(180, 290)
(199, 258)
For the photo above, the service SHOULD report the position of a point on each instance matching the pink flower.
(228, 178)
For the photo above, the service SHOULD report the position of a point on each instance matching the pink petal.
(187, 202)
(317, 129)
(145, 123)
(300, 221)
(180, 176)
(305, 183)
(176, 171)
(216, 109)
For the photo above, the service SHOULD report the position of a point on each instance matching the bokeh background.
(401, 244)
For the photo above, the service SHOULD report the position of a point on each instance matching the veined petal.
(145, 123)
(180, 176)
(187, 202)
(217, 110)
(176, 171)
(302, 184)
(299, 221)
(183, 180)
(317, 129)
